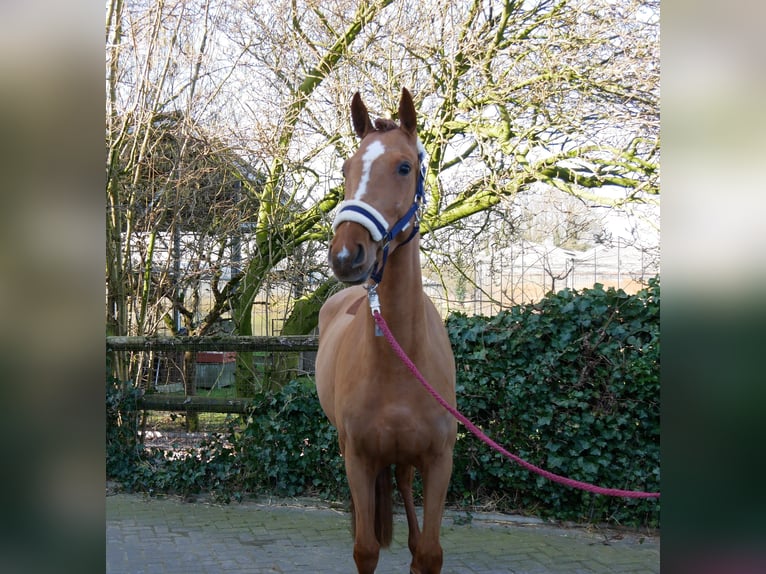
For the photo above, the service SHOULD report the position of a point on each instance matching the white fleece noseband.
(364, 214)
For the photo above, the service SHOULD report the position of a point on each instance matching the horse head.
(383, 192)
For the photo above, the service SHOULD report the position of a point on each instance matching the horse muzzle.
(352, 254)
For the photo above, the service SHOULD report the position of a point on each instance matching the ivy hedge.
(284, 447)
(570, 383)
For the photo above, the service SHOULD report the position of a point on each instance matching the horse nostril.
(359, 258)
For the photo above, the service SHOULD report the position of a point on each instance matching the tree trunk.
(302, 321)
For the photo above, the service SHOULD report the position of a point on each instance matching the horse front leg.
(404, 477)
(361, 482)
(428, 555)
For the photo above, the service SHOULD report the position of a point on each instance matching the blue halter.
(369, 217)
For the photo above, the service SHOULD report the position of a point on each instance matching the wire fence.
(521, 273)
(525, 272)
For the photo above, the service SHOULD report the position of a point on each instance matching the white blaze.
(344, 253)
(373, 152)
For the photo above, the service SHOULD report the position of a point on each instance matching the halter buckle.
(372, 297)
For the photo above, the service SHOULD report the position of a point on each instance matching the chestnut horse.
(383, 416)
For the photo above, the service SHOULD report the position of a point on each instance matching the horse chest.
(395, 431)
(388, 444)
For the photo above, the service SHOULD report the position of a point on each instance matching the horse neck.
(401, 293)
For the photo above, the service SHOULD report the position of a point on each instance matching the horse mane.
(385, 125)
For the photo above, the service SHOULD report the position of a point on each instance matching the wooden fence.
(193, 403)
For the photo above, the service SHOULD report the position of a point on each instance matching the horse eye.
(404, 168)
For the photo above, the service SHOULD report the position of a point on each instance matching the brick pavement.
(168, 536)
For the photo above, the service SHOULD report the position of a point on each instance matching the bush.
(285, 447)
(288, 446)
(570, 384)
(123, 450)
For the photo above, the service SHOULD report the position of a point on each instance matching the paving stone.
(166, 535)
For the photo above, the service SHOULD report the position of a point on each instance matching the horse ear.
(360, 117)
(407, 113)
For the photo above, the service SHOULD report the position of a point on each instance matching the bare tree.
(176, 193)
(512, 95)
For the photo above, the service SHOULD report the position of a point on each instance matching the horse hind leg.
(404, 477)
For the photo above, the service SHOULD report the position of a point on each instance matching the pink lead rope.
(381, 323)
